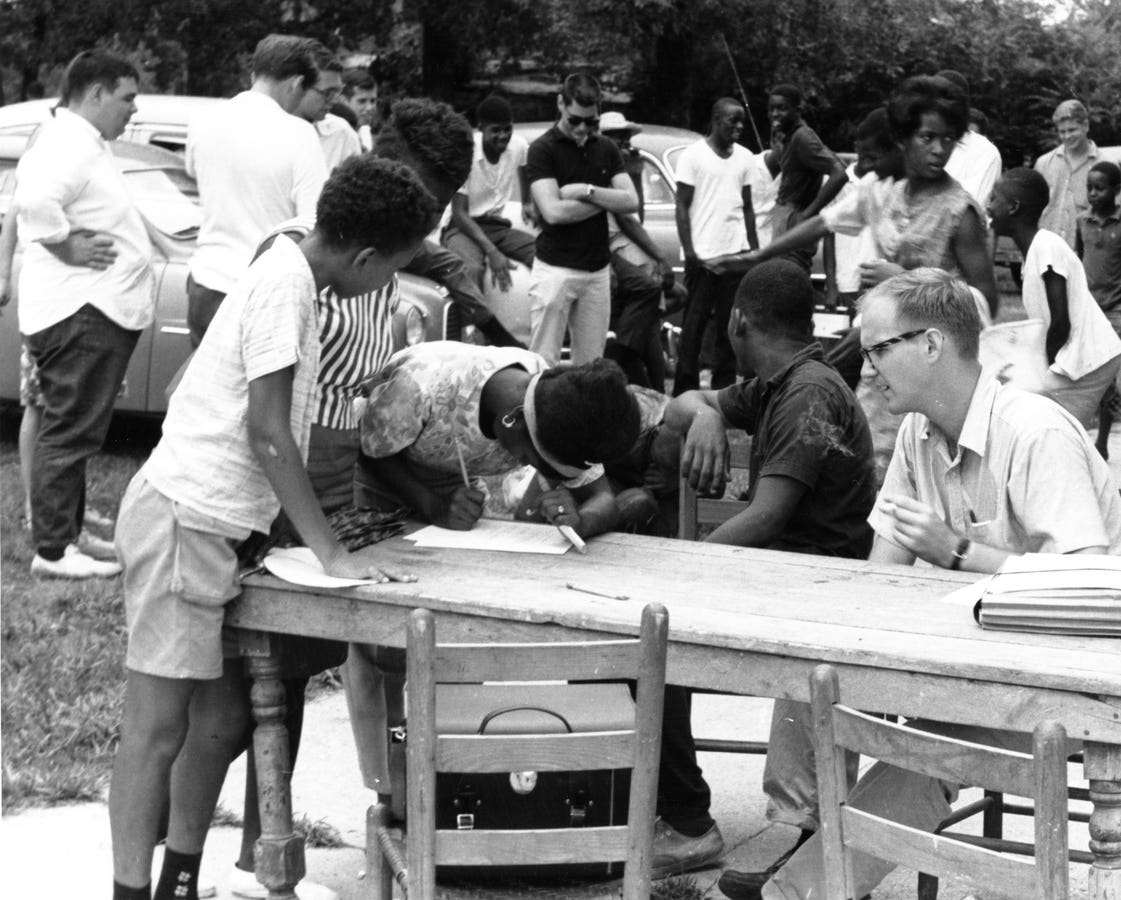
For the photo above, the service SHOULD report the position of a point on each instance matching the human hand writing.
(462, 509)
(916, 527)
(559, 507)
(705, 460)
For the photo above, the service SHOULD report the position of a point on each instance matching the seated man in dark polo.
(812, 488)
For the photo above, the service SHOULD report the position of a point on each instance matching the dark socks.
(51, 554)
(121, 892)
(179, 878)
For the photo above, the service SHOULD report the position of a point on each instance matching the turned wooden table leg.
(1103, 771)
(279, 854)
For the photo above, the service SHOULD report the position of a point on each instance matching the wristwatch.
(960, 553)
(591, 192)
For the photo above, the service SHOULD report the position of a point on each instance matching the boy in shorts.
(231, 456)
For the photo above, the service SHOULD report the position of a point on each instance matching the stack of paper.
(1056, 594)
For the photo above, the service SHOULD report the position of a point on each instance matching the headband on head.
(530, 411)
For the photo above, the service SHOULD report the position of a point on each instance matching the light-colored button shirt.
(1068, 190)
(256, 166)
(267, 323)
(68, 181)
(491, 185)
(1025, 477)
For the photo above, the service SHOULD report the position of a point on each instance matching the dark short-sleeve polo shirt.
(805, 159)
(807, 425)
(578, 245)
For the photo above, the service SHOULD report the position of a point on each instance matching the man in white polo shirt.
(338, 140)
(86, 293)
(256, 164)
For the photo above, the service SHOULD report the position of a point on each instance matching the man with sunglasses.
(981, 471)
(576, 177)
(257, 165)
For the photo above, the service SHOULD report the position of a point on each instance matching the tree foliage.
(672, 57)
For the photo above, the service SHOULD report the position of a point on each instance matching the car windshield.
(168, 200)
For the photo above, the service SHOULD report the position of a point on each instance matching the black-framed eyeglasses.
(328, 94)
(576, 121)
(867, 352)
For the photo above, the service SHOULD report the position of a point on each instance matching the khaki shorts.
(180, 570)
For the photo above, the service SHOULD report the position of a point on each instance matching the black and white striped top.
(355, 342)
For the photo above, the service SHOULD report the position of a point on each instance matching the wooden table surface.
(752, 622)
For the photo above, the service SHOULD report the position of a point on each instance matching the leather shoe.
(675, 852)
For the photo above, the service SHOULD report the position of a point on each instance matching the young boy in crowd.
(479, 230)
(1098, 245)
(1083, 352)
(232, 455)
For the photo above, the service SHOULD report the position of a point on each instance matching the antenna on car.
(743, 93)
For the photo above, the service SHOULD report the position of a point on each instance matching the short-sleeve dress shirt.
(1024, 477)
(807, 425)
(1068, 190)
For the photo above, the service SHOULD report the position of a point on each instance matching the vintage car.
(168, 201)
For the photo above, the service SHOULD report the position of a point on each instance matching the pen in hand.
(462, 464)
(567, 530)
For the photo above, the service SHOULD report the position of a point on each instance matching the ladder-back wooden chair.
(637, 748)
(1041, 776)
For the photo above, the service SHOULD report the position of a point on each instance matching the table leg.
(279, 854)
(1103, 771)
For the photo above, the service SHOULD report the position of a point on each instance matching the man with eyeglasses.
(257, 165)
(982, 471)
(576, 177)
(338, 140)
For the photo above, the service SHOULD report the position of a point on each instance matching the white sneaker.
(245, 884)
(98, 548)
(74, 564)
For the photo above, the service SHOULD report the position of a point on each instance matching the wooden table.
(742, 621)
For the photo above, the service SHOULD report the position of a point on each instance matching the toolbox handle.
(489, 717)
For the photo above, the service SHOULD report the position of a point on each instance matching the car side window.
(655, 187)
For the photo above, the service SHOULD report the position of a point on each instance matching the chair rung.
(1018, 847)
(720, 745)
(964, 812)
(1021, 809)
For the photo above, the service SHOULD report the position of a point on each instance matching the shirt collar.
(1091, 150)
(808, 353)
(1114, 216)
(975, 429)
(81, 122)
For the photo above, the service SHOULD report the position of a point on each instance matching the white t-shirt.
(68, 181)
(489, 187)
(716, 213)
(256, 166)
(1092, 342)
(338, 140)
(267, 323)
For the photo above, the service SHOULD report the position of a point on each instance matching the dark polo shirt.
(805, 159)
(579, 245)
(807, 425)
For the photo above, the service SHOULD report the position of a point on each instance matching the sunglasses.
(591, 121)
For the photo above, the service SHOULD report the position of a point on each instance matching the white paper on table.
(298, 565)
(495, 534)
(968, 595)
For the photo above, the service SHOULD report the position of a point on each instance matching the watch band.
(960, 553)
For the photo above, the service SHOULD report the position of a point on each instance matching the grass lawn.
(63, 644)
